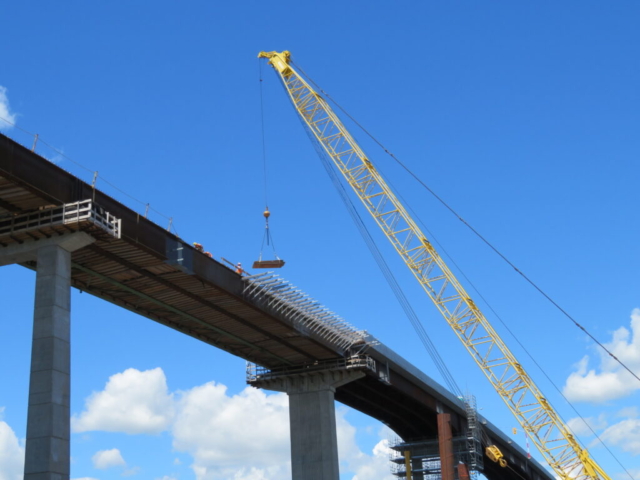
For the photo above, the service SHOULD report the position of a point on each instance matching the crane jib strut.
(552, 437)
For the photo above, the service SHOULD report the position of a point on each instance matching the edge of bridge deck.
(29, 182)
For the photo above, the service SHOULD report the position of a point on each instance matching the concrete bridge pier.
(312, 415)
(48, 431)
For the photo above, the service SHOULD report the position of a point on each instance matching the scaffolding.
(257, 373)
(422, 456)
(474, 447)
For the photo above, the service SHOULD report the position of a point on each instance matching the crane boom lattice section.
(552, 437)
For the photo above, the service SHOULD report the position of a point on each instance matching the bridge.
(72, 234)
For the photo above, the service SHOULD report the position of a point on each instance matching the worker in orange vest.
(239, 269)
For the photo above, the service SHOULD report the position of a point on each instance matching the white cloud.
(244, 437)
(375, 467)
(628, 412)
(11, 453)
(217, 431)
(365, 467)
(132, 402)
(5, 112)
(108, 458)
(635, 474)
(625, 434)
(612, 381)
(84, 478)
(131, 471)
(238, 437)
(586, 426)
(589, 386)
(167, 477)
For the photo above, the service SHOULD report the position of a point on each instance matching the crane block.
(496, 455)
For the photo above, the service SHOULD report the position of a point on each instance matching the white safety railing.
(67, 214)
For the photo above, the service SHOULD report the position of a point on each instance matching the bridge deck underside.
(204, 300)
(201, 297)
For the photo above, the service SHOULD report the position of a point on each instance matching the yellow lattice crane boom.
(560, 449)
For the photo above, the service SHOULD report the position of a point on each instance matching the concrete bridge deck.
(150, 271)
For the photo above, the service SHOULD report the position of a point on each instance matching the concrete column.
(48, 431)
(47, 448)
(312, 416)
(314, 443)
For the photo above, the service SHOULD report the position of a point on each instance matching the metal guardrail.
(67, 214)
(361, 362)
(305, 312)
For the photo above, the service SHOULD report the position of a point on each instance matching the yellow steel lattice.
(551, 436)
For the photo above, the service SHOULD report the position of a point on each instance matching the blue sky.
(523, 117)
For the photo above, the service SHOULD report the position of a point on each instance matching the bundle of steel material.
(309, 315)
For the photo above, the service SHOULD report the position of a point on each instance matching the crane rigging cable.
(415, 321)
(406, 305)
(267, 238)
(417, 324)
(535, 414)
(264, 145)
(469, 226)
(386, 271)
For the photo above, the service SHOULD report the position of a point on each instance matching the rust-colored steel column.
(445, 442)
(463, 472)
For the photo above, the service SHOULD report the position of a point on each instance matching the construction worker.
(239, 269)
(198, 247)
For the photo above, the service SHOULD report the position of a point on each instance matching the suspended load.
(260, 263)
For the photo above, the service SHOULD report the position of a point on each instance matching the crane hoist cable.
(267, 238)
(493, 248)
(470, 227)
(417, 325)
(535, 414)
(264, 141)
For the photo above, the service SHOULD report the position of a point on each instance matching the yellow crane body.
(561, 450)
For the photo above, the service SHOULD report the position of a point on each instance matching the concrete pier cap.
(28, 250)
